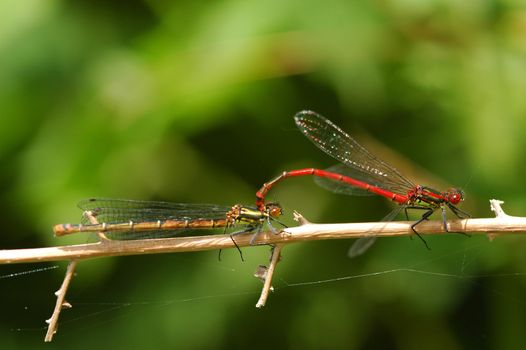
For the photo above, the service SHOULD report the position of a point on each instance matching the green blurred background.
(193, 102)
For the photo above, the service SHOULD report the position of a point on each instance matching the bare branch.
(269, 273)
(61, 302)
(502, 224)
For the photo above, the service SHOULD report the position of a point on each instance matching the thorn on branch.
(495, 206)
(300, 218)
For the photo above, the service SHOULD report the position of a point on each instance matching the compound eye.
(275, 212)
(455, 198)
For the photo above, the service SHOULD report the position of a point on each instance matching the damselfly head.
(454, 195)
(273, 210)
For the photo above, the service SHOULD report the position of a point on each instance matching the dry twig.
(501, 224)
(267, 277)
(61, 302)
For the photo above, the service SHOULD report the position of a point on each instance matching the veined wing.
(339, 145)
(124, 210)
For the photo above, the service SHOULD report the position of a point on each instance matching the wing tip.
(298, 117)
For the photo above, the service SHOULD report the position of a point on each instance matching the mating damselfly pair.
(359, 173)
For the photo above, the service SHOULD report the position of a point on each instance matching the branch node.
(261, 273)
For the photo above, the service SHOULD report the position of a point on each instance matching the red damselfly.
(362, 173)
(122, 219)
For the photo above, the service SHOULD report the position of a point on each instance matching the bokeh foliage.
(194, 102)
